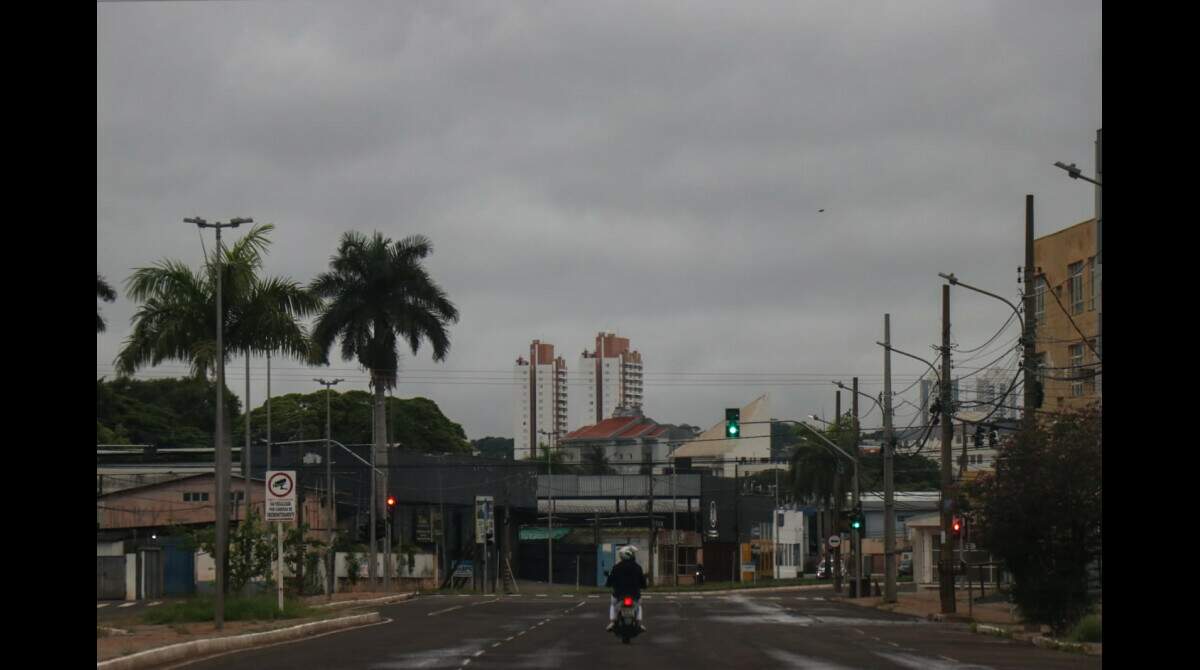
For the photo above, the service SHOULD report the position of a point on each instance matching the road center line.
(448, 609)
(478, 653)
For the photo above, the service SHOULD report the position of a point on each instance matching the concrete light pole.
(221, 456)
(330, 561)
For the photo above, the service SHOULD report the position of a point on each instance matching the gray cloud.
(656, 170)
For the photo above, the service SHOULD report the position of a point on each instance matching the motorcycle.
(626, 626)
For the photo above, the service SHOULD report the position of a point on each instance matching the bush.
(1087, 630)
(202, 608)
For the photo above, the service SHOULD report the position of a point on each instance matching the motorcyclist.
(626, 579)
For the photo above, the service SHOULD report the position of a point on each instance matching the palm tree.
(177, 318)
(107, 294)
(378, 294)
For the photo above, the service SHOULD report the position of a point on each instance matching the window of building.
(1091, 298)
(1076, 351)
(187, 496)
(1075, 287)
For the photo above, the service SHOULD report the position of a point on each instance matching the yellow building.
(1066, 317)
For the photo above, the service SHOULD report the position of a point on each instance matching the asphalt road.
(766, 630)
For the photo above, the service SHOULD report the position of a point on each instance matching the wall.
(163, 505)
(116, 548)
(1055, 334)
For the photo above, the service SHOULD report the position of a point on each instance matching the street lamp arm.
(322, 441)
(868, 397)
(814, 431)
(955, 281)
(905, 353)
(1075, 172)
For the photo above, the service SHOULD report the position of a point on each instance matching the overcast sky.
(650, 168)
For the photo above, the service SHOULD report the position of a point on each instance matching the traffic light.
(857, 520)
(733, 422)
(391, 503)
(956, 525)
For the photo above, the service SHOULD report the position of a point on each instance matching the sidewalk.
(927, 602)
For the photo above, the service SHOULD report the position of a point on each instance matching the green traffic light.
(733, 430)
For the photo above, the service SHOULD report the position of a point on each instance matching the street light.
(550, 509)
(1076, 173)
(839, 450)
(330, 580)
(221, 454)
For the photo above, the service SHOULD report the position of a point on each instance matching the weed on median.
(253, 608)
(1087, 630)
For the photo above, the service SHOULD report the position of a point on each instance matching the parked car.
(825, 569)
(906, 567)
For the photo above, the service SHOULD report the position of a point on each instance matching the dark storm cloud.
(655, 170)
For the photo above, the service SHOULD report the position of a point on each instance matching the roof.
(171, 482)
(618, 428)
(713, 442)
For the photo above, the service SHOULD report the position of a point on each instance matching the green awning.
(532, 534)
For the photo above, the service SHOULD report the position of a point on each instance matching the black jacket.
(627, 579)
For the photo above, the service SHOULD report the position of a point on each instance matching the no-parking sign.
(281, 495)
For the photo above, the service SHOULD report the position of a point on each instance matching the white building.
(749, 452)
(540, 400)
(990, 386)
(608, 378)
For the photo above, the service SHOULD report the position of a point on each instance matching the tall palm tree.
(177, 317)
(378, 294)
(107, 294)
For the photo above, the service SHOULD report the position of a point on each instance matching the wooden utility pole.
(1028, 337)
(889, 497)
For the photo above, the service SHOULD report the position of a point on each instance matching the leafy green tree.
(594, 462)
(378, 294)
(160, 412)
(551, 462)
(416, 423)
(251, 550)
(1040, 512)
(495, 447)
(818, 475)
(107, 294)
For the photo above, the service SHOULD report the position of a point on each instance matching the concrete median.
(196, 649)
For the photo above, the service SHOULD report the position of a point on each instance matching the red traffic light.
(956, 525)
(391, 501)
(628, 601)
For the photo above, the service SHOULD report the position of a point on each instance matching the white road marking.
(495, 645)
(131, 604)
(591, 596)
(484, 602)
(923, 663)
(155, 603)
(464, 595)
(541, 595)
(947, 658)
(448, 609)
(478, 653)
(522, 633)
(99, 605)
(509, 638)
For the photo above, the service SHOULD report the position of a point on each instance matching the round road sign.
(835, 541)
(280, 485)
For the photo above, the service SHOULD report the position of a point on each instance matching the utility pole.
(1028, 337)
(948, 495)
(855, 539)
(837, 497)
(889, 494)
(221, 458)
(330, 582)
(1099, 261)
(247, 470)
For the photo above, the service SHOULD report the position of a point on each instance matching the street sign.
(485, 521)
(835, 541)
(281, 495)
(424, 526)
(465, 569)
(749, 567)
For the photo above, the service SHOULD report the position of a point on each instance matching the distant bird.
(820, 210)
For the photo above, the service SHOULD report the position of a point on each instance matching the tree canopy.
(161, 412)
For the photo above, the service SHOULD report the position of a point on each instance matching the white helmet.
(626, 553)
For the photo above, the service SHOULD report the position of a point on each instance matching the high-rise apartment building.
(541, 400)
(607, 379)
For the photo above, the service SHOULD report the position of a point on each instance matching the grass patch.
(239, 608)
(1087, 630)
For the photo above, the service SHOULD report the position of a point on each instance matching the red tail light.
(628, 602)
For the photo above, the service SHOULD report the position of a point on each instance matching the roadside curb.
(195, 649)
(1092, 649)
(765, 589)
(369, 601)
